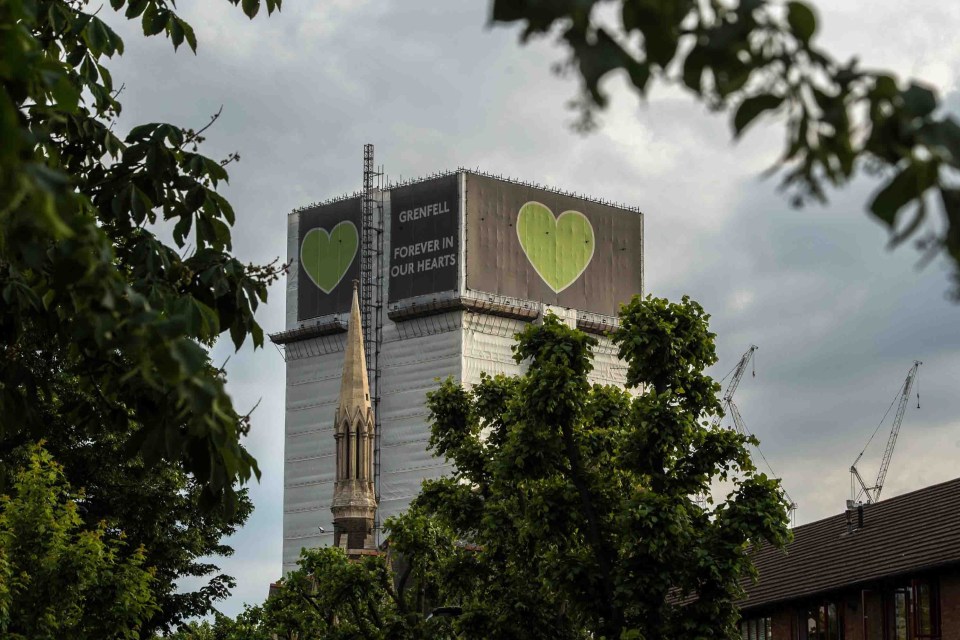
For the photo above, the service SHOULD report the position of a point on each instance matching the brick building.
(886, 571)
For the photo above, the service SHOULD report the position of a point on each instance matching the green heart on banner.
(558, 248)
(326, 256)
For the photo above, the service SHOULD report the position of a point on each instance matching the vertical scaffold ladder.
(371, 298)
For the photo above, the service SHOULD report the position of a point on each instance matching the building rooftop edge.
(476, 172)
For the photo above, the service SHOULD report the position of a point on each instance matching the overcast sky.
(838, 318)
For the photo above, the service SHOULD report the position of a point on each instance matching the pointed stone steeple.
(354, 384)
(354, 497)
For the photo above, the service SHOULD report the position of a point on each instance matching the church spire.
(354, 497)
(354, 385)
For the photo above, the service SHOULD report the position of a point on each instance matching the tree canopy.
(159, 508)
(59, 578)
(105, 320)
(91, 293)
(580, 496)
(761, 57)
(334, 597)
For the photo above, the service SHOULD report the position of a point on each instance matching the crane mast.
(872, 494)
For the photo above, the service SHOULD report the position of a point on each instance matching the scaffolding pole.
(371, 297)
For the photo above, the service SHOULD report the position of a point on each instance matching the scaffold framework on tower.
(371, 295)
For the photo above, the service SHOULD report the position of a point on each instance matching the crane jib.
(873, 493)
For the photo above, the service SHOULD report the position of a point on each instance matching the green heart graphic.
(327, 256)
(558, 248)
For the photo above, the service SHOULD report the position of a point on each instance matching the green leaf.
(237, 334)
(209, 319)
(105, 75)
(919, 100)
(224, 206)
(801, 19)
(731, 77)
(88, 70)
(140, 204)
(639, 75)
(906, 186)
(918, 217)
(96, 37)
(751, 108)
(116, 42)
(947, 135)
(156, 160)
(509, 11)
(177, 33)
(221, 234)
(195, 197)
(142, 131)
(251, 7)
(951, 206)
(182, 229)
(598, 59)
(693, 66)
(135, 8)
(884, 86)
(214, 170)
(661, 45)
(189, 35)
(154, 20)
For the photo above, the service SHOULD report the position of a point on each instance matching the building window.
(824, 622)
(912, 612)
(926, 622)
(899, 614)
(756, 629)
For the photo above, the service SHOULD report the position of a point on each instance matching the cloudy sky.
(838, 318)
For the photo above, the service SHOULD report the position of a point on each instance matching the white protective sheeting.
(487, 349)
(409, 369)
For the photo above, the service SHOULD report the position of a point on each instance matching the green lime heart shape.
(326, 256)
(559, 248)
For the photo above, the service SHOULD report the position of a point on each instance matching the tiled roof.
(904, 534)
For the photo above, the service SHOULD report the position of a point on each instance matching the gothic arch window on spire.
(346, 450)
(359, 445)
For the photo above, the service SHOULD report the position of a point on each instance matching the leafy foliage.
(58, 578)
(579, 496)
(376, 597)
(104, 325)
(758, 57)
(158, 507)
(90, 294)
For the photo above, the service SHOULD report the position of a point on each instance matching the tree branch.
(614, 621)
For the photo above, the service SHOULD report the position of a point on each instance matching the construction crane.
(738, 422)
(872, 494)
(736, 375)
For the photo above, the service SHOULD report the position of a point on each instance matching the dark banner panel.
(540, 245)
(329, 258)
(424, 238)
